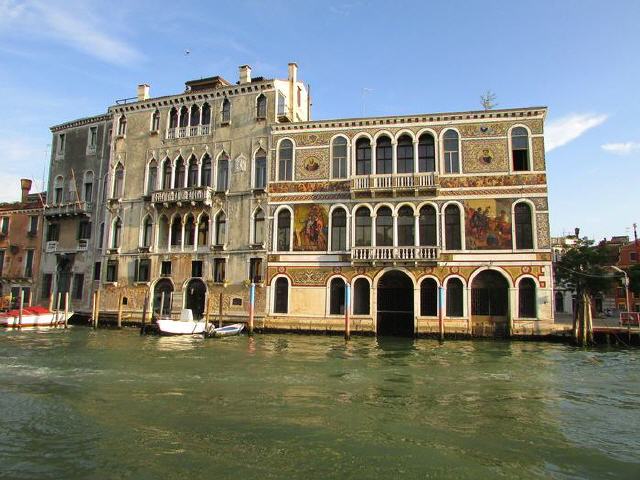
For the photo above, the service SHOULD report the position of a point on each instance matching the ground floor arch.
(195, 293)
(395, 314)
(162, 297)
(490, 302)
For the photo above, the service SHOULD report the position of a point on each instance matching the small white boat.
(226, 331)
(32, 317)
(185, 326)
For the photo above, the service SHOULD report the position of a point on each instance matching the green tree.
(584, 269)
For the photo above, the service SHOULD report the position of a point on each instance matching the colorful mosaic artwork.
(310, 228)
(488, 224)
(493, 180)
(305, 187)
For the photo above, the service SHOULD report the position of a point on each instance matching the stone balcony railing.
(183, 195)
(68, 209)
(184, 132)
(398, 181)
(395, 254)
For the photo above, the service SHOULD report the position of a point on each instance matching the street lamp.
(626, 284)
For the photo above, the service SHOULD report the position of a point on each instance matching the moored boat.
(184, 326)
(32, 317)
(226, 331)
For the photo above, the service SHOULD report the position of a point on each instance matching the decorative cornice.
(81, 121)
(479, 115)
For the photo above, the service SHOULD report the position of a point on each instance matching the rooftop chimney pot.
(143, 92)
(25, 186)
(245, 74)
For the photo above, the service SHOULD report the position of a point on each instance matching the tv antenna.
(488, 100)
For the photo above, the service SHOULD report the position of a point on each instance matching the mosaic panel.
(538, 153)
(485, 156)
(312, 164)
(514, 191)
(488, 224)
(542, 226)
(302, 187)
(540, 203)
(310, 228)
(493, 181)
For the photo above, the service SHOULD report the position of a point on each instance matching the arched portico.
(395, 315)
(195, 292)
(162, 297)
(490, 302)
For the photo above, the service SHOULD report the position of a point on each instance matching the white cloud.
(70, 24)
(566, 129)
(621, 148)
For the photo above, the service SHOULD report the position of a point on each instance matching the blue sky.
(61, 60)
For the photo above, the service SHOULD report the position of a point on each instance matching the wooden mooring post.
(440, 313)
(220, 309)
(66, 310)
(120, 311)
(252, 301)
(207, 302)
(145, 306)
(97, 309)
(347, 304)
(20, 306)
(59, 297)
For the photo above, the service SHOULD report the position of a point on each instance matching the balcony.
(185, 132)
(51, 247)
(179, 196)
(68, 209)
(83, 245)
(395, 254)
(418, 182)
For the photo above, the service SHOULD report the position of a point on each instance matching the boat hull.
(180, 327)
(41, 320)
(227, 331)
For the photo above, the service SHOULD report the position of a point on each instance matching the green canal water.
(111, 404)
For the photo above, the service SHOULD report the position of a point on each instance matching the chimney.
(245, 74)
(293, 72)
(143, 92)
(25, 185)
(577, 232)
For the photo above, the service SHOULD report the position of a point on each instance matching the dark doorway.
(490, 301)
(65, 264)
(165, 287)
(195, 296)
(395, 304)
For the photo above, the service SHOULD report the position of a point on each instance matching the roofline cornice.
(81, 121)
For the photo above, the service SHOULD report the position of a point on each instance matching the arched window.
(453, 239)
(285, 160)
(428, 226)
(152, 176)
(429, 298)
(190, 231)
(361, 297)
(173, 117)
(451, 152)
(527, 298)
(176, 231)
(226, 111)
(195, 115)
(363, 227)
(258, 227)
(192, 174)
(339, 158)
(221, 229)
(184, 116)
(58, 189)
(222, 184)
(404, 154)
(178, 179)
(118, 181)
(205, 179)
(122, 125)
(203, 230)
(261, 107)
(87, 193)
(116, 233)
(384, 227)
(163, 232)
(363, 157)
(155, 121)
(520, 149)
(426, 153)
(281, 296)
(336, 297)
(384, 155)
(166, 174)
(455, 306)
(206, 114)
(406, 226)
(284, 230)
(524, 230)
(260, 170)
(147, 229)
(339, 230)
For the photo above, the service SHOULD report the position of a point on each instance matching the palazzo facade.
(406, 222)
